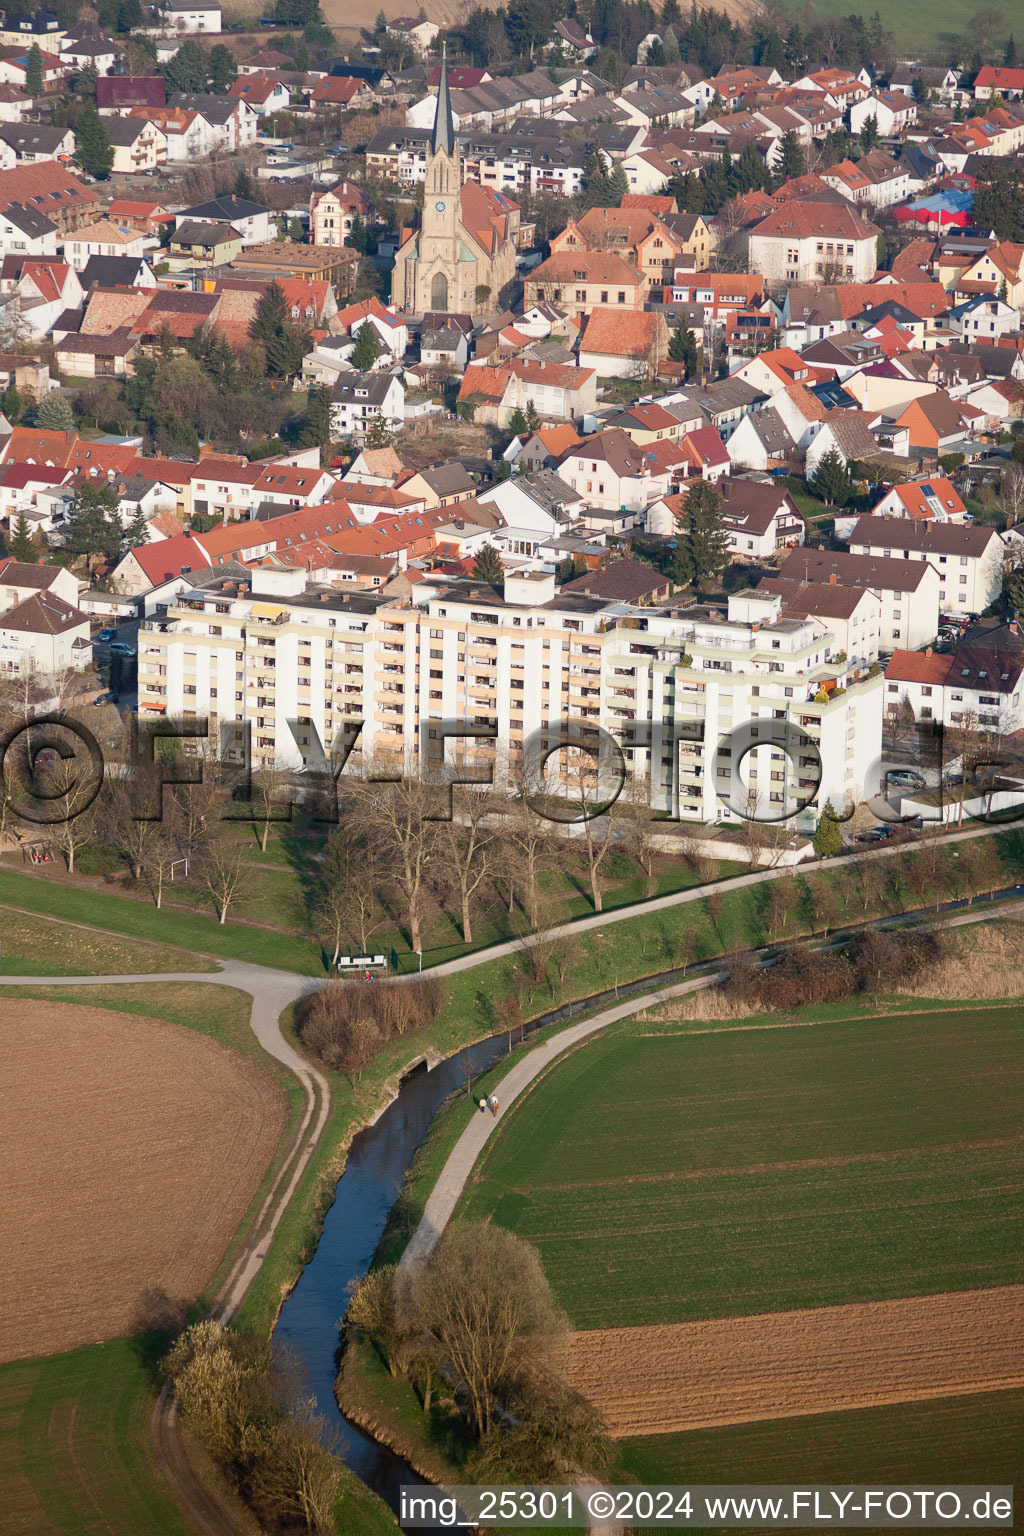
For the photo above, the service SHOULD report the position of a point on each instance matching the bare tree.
(400, 821)
(467, 843)
(592, 809)
(1011, 492)
(483, 1308)
(638, 824)
(267, 783)
(223, 873)
(527, 845)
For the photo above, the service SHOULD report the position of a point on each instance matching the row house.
(908, 590)
(579, 281)
(977, 685)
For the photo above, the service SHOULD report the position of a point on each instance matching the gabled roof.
(42, 614)
(619, 333)
(928, 538)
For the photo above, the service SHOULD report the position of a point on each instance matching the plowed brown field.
(660, 1379)
(132, 1149)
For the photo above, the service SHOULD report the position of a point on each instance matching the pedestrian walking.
(493, 1104)
(483, 1106)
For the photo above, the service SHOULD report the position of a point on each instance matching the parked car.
(106, 698)
(907, 778)
(120, 649)
(874, 836)
(106, 635)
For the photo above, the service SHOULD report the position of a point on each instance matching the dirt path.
(661, 1379)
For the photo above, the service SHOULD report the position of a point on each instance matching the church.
(467, 235)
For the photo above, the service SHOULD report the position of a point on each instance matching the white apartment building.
(967, 557)
(273, 652)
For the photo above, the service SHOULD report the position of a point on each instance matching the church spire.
(444, 129)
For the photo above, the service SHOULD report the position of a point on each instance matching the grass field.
(750, 1170)
(946, 1441)
(927, 27)
(45, 946)
(75, 1454)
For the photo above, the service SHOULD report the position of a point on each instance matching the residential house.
(207, 244)
(977, 684)
(186, 134)
(968, 558)
(30, 143)
(101, 239)
(612, 473)
(138, 145)
(264, 94)
(231, 124)
(44, 634)
(252, 220)
(410, 29)
(192, 15)
(893, 112)
(539, 502)
(760, 518)
(998, 80)
(816, 243)
(619, 344)
(360, 399)
(120, 93)
(332, 213)
(928, 501)
(761, 441)
(580, 281)
(49, 191)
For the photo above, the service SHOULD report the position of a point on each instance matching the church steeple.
(444, 128)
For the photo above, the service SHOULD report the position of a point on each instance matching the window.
(622, 296)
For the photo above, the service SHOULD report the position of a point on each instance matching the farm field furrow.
(133, 1149)
(676, 1177)
(730, 1371)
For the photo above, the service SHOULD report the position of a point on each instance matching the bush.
(803, 977)
(346, 1024)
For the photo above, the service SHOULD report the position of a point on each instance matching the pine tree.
(519, 426)
(670, 53)
(93, 149)
(21, 546)
(34, 71)
(869, 136)
(682, 347)
(243, 185)
(1010, 52)
(358, 238)
(702, 543)
(54, 413)
(791, 163)
(317, 430)
(830, 481)
(366, 349)
(284, 344)
(379, 434)
(487, 566)
(827, 838)
(617, 187)
(223, 69)
(773, 52)
(136, 529)
(532, 418)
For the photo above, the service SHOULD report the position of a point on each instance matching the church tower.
(439, 245)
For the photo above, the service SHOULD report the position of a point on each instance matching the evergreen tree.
(772, 54)
(670, 14)
(366, 349)
(702, 543)
(358, 238)
(243, 186)
(11, 403)
(94, 527)
(670, 51)
(21, 546)
(54, 413)
(869, 135)
(34, 71)
(617, 187)
(791, 163)
(682, 347)
(379, 434)
(519, 426)
(284, 344)
(85, 82)
(828, 837)
(188, 69)
(317, 430)
(129, 16)
(380, 26)
(532, 418)
(136, 530)
(488, 567)
(830, 481)
(223, 69)
(93, 149)
(1010, 52)
(594, 181)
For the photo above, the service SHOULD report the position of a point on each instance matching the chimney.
(929, 651)
(833, 579)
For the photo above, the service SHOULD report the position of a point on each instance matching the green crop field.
(75, 1452)
(928, 27)
(972, 1439)
(666, 1178)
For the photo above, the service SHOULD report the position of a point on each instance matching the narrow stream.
(378, 1161)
